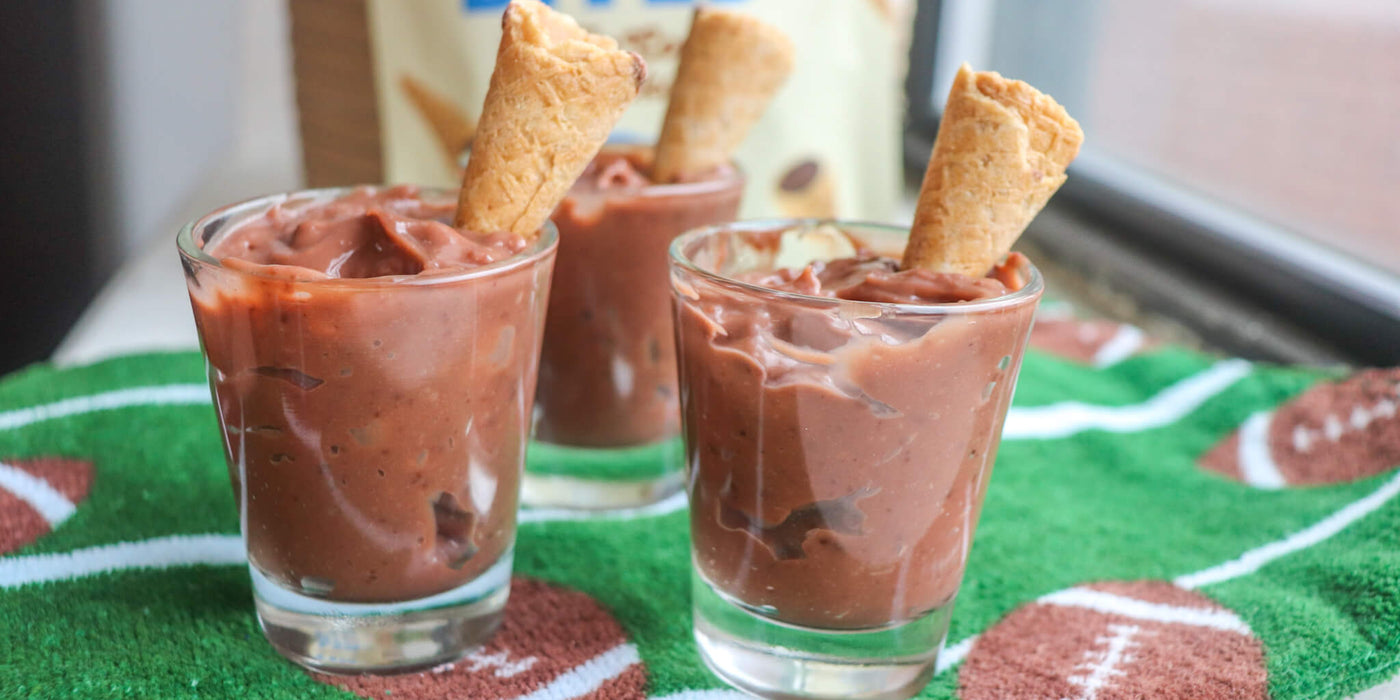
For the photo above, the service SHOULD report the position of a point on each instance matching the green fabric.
(603, 463)
(1060, 512)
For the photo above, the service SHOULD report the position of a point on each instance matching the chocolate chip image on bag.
(806, 191)
(394, 97)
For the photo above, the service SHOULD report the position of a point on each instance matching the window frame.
(1326, 294)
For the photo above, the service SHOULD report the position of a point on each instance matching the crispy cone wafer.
(556, 92)
(452, 127)
(731, 66)
(1000, 154)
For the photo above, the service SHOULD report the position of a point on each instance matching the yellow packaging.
(389, 91)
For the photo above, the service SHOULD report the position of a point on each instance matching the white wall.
(184, 94)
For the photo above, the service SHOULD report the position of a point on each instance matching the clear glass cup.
(838, 453)
(375, 431)
(607, 420)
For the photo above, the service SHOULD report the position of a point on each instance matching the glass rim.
(539, 247)
(1028, 292)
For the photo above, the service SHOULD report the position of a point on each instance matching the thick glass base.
(594, 494)
(351, 638)
(776, 660)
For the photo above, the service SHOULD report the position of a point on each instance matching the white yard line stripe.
(1055, 420)
(588, 676)
(197, 394)
(1168, 406)
(1251, 561)
(158, 553)
(1121, 346)
(1111, 604)
(1257, 467)
(168, 394)
(184, 549)
(708, 694)
(53, 506)
(953, 655)
(189, 550)
(665, 506)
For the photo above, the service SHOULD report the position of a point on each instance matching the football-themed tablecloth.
(1160, 523)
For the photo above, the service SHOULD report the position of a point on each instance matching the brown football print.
(1333, 432)
(554, 642)
(38, 494)
(1113, 641)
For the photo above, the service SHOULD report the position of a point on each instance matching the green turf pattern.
(1060, 512)
(606, 463)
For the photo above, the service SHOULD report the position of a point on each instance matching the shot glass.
(837, 453)
(375, 432)
(607, 426)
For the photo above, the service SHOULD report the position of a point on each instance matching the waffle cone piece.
(554, 96)
(1001, 152)
(730, 67)
(452, 127)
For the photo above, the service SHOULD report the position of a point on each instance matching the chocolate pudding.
(841, 419)
(373, 371)
(608, 369)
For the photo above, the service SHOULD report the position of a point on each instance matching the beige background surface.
(843, 105)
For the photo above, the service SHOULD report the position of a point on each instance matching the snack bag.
(391, 91)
